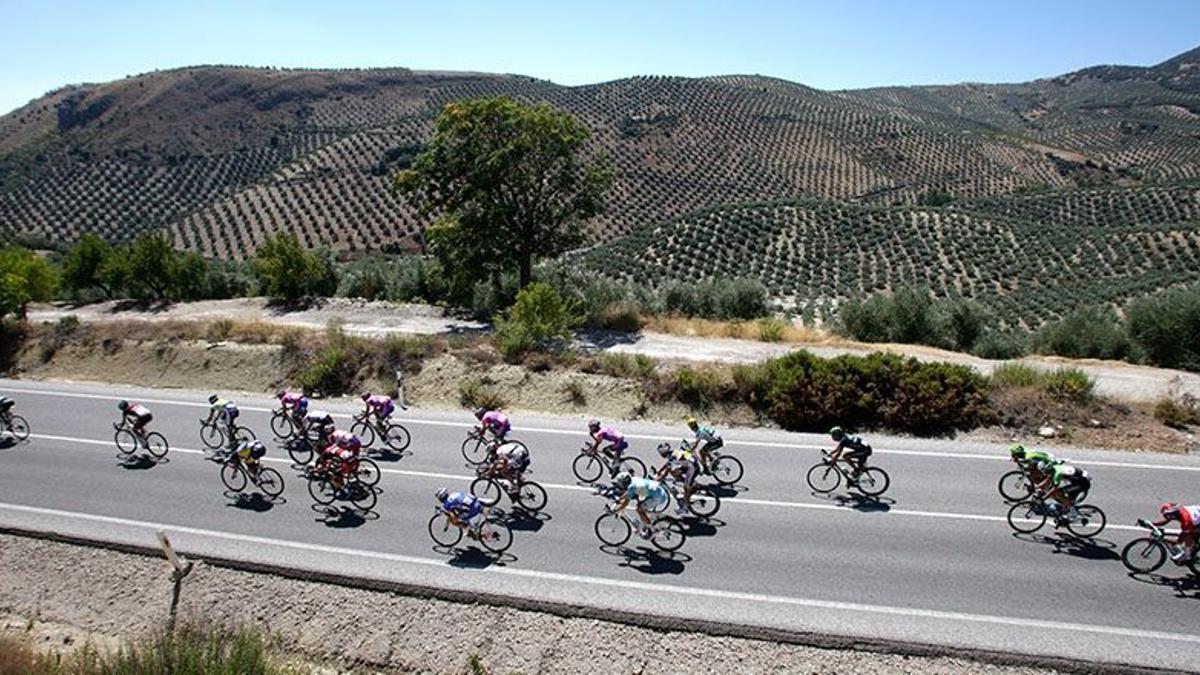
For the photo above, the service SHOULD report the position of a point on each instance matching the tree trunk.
(526, 270)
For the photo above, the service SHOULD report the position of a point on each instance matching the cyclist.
(322, 422)
(138, 417)
(707, 440)
(1035, 463)
(680, 466)
(227, 412)
(510, 462)
(464, 507)
(343, 448)
(1066, 483)
(856, 451)
(646, 494)
(379, 405)
(249, 453)
(1189, 529)
(494, 421)
(295, 403)
(617, 444)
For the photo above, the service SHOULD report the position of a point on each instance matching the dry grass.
(742, 330)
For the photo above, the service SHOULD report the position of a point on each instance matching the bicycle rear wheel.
(445, 533)
(300, 450)
(873, 481)
(487, 490)
(669, 534)
(1143, 556)
(495, 535)
(613, 529)
(824, 478)
(211, 436)
(364, 432)
(532, 497)
(156, 445)
(587, 468)
(1027, 517)
(704, 505)
(397, 437)
(362, 496)
(1091, 521)
(633, 466)
(1014, 486)
(727, 470)
(126, 441)
(282, 426)
(233, 477)
(368, 472)
(19, 427)
(270, 482)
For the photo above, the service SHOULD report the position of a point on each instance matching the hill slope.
(222, 156)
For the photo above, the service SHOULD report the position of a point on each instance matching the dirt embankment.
(55, 593)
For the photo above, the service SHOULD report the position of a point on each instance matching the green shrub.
(327, 372)
(620, 316)
(1017, 375)
(724, 299)
(1166, 328)
(24, 278)
(286, 271)
(219, 330)
(770, 329)
(999, 345)
(540, 318)
(696, 387)
(1179, 414)
(1068, 383)
(473, 393)
(1091, 332)
(907, 315)
(618, 364)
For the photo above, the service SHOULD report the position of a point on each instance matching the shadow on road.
(859, 502)
(386, 455)
(254, 501)
(723, 491)
(1186, 587)
(474, 557)
(343, 517)
(648, 560)
(701, 527)
(1077, 547)
(138, 462)
(521, 520)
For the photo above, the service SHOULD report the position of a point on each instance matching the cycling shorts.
(1073, 487)
(655, 501)
(862, 453)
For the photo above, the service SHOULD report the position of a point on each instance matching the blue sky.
(831, 45)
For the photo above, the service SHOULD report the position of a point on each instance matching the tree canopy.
(24, 278)
(511, 183)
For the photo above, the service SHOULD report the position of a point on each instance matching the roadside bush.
(1166, 328)
(474, 393)
(540, 319)
(286, 271)
(219, 330)
(328, 372)
(1179, 414)
(696, 387)
(771, 329)
(1016, 375)
(404, 278)
(907, 315)
(1088, 333)
(24, 278)
(999, 345)
(1069, 383)
(616, 364)
(719, 298)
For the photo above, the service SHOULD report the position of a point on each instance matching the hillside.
(221, 156)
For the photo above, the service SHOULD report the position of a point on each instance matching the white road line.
(910, 612)
(745, 501)
(646, 437)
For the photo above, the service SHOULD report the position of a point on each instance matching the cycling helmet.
(214, 398)
(280, 394)
(123, 406)
(480, 413)
(664, 449)
(837, 433)
(622, 480)
(365, 395)
(1017, 451)
(442, 494)
(691, 421)
(1169, 506)
(594, 425)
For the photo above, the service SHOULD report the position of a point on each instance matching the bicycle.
(725, 469)
(702, 504)
(446, 529)
(588, 466)
(128, 441)
(285, 424)
(489, 486)
(214, 437)
(1021, 483)
(1028, 516)
(825, 477)
(394, 435)
(300, 449)
(16, 425)
(1146, 554)
(614, 528)
(236, 477)
(479, 450)
(323, 491)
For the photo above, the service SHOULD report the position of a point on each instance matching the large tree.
(24, 277)
(511, 182)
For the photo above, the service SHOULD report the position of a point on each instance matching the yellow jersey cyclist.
(681, 466)
(647, 496)
(250, 454)
(1066, 483)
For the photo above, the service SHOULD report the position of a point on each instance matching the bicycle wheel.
(495, 535)
(1143, 556)
(211, 436)
(270, 482)
(824, 478)
(368, 472)
(282, 426)
(669, 534)
(633, 466)
(156, 445)
(364, 432)
(300, 450)
(487, 490)
(587, 468)
(1027, 517)
(704, 505)
(1014, 486)
(233, 477)
(475, 451)
(613, 529)
(1091, 521)
(532, 497)
(322, 490)
(19, 428)
(445, 533)
(873, 481)
(397, 438)
(727, 470)
(362, 496)
(244, 435)
(126, 442)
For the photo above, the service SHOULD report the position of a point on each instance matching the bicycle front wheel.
(668, 534)
(532, 497)
(824, 478)
(233, 477)
(704, 505)
(445, 533)
(368, 472)
(364, 432)
(1014, 486)
(495, 535)
(282, 426)
(156, 444)
(587, 468)
(397, 437)
(300, 450)
(613, 529)
(270, 482)
(475, 451)
(1027, 517)
(487, 490)
(1143, 556)
(322, 491)
(1091, 521)
(362, 496)
(126, 441)
(211, 436)
(244, 435)
(19, 428)
(727, 470)
(873, 481)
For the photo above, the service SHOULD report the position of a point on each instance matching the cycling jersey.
(138, 411)
(252, 450)
(1040, 457)
(345, 440)
(515, 455)
(297, 402)
(497, 422)
(645, 490)
(682, 456)
(707, 434)
(381, 405)
(854, 444)
(319, 418)
(6, 403)
(227, 409)
(1068, 473)
(464, 505)
(1188, 516)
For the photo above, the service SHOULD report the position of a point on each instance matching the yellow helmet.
(691, 421)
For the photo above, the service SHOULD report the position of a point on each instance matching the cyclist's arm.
(621, 503)
(1160, 522)
(662, 473)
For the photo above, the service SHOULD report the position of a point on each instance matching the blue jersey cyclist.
(226, 411)
(853, 448)
(463, 507)
(646, 495)
(707, 440)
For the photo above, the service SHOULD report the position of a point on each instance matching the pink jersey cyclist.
(494, 421)
(297, 402)
(615, 439)
(378, 404)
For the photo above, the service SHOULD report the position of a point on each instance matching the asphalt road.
(933, 562)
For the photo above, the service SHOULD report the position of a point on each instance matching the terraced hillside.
(222, 156)
(1028, 258)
